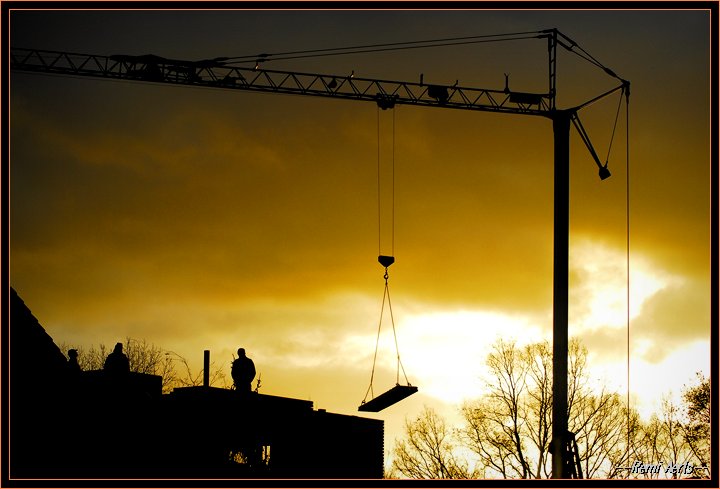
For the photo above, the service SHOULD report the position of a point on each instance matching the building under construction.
(87, 425)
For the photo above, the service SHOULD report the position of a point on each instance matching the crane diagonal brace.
(603, 169)
(215, 74)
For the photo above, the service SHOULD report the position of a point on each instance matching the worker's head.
(118, 348)
(241, 352)
(72, 353)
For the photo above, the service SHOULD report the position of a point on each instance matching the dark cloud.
(608, 345)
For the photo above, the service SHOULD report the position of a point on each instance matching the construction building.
(71, 425)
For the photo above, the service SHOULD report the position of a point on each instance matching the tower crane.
(219, 73)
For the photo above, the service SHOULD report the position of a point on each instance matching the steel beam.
(561, 232)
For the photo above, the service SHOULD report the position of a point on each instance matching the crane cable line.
(369, 48)
(386, 264)
(421, 44)
(588, 57)
(392, 189)
(400, 366)
(626, 90)
(378, 50)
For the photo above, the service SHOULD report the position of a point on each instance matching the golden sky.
(207, 219)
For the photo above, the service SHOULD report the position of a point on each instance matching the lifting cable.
(392, 190)
(626, 92)
(386, 261)
(386, 295)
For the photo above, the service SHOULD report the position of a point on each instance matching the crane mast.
(218, 74)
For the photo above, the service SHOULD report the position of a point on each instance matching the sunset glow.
(212, 219)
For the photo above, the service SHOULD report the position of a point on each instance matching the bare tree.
(490, 440)
(621, 456)
(510, 428)
(90, 359)
(538, 357)
(187, 378)
(428, 451)
(663, 441)
(496, 424)
(147, 358)
(598, 419)
(600, 429)
(697, 430)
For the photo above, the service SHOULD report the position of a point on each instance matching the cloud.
(667, 311)
(676, 315)
(446, 350)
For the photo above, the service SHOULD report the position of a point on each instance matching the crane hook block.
(385, 260)
(387, 399)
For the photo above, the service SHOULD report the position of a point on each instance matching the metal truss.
(216, 74)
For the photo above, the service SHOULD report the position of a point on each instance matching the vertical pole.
(561, 133)
(206, 368)
(552, 66)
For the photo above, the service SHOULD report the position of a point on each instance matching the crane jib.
(216, 74)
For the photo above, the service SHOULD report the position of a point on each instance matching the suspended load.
(398, 392)
(387, 399)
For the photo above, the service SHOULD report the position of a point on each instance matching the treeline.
(146, 358)
(507, 432)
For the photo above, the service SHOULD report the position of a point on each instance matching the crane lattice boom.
(216, 74)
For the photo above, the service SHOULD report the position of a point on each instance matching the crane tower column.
(561, 133)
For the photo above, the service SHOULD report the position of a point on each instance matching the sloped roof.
(34, 356)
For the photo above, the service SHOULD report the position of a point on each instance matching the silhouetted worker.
(73, 365)
(117, 364)
(243, 372)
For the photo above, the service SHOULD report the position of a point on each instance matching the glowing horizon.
(209, 219)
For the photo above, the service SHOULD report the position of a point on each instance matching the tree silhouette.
(497, 424)
(697, 430)
(147, 358)
(662, 440)
(428, 450)
(509, 429)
